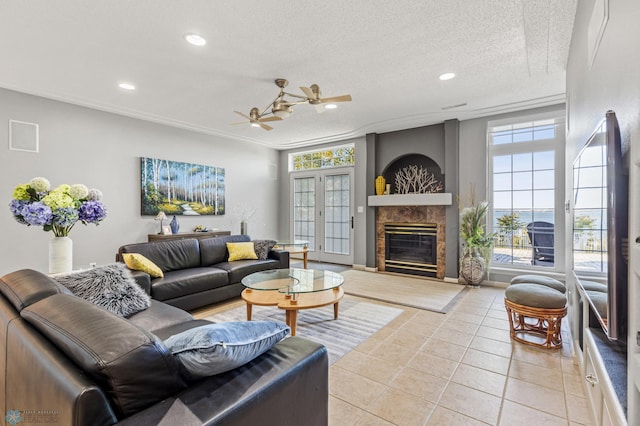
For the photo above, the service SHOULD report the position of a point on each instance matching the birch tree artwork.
(181, 188)
(416, 180)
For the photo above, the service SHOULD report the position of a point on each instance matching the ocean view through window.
(526, 189)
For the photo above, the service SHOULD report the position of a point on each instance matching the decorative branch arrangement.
(416, 180)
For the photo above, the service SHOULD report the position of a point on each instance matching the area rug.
(356, 322)
(431, 295)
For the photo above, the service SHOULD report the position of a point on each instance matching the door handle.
(351, 222)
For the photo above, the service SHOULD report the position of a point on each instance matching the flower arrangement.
(472, 226)
(58, 209)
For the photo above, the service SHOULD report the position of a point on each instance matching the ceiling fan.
(281, 107)
(256, 119)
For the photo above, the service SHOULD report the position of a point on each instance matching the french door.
(322, 213)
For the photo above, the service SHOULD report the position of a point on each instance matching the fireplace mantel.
(439, 199)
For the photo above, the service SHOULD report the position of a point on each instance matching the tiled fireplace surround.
(435, 147)
(411, 214)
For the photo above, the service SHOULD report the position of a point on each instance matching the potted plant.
(477, 243)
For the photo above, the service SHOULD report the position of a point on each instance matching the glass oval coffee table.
(291, 290)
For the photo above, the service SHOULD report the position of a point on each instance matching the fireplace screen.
(411, 248)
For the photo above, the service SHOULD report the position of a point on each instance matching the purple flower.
(37, 214)
(65, 217)
(91, 212)
(16, 207)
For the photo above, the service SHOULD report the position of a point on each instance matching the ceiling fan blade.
(273, 118)
(264, 126)
(343, 98)
(243, 115)
(309, 93)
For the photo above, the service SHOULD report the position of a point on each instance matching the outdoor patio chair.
(541, 239)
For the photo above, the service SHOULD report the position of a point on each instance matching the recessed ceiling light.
(195, 39)
(447, 76)
(126, 86)
(331, 106)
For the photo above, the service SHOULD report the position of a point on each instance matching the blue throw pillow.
(215, 348)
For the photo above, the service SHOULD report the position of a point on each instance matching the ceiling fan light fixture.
(281, 110)
(446, 76)
(126, 86)
(195, 39)
(331, 106)
(255, 125)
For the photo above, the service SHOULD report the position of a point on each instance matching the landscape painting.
(181, 188)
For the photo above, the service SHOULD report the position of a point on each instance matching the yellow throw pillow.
(240, 251)
(138, 262)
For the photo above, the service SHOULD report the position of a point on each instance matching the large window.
(526, 186)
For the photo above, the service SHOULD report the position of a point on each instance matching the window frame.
(555, 144)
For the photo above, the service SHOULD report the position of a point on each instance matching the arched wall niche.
(407, 160)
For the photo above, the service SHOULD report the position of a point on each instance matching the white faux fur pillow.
(110, 286)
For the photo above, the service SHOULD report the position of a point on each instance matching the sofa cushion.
(131, 365)
(168, 255)
(241, 268)
(158, 316)
(24, 287)
(110, 286)
(215, 348)
(138, 262)
(188, 281)
(262, 248)
(214, 250)
(241, 251)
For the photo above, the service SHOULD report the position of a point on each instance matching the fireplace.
(434, 216)
(411, 248)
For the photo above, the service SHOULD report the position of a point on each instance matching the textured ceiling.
(507, 55)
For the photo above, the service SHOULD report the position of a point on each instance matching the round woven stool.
(535, 314)
(540, 280)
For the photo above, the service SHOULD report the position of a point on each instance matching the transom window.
(311, 160)
(526, 190)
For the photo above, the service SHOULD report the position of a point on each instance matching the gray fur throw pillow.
(262, 247)
(110, 286)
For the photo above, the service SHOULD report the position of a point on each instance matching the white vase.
(60, 255)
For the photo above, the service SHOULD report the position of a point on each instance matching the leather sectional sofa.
(66, 361)
(197, 272)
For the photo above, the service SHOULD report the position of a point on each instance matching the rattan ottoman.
(540, 280)
(535, 314)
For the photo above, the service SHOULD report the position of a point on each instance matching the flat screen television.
(600, 226)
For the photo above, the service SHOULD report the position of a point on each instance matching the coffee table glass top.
(293, 280)
(292, 243)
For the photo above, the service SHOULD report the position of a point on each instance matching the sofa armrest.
(290, 379)
(281, 256)
(143, 280)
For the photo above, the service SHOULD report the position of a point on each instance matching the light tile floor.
(461, 368)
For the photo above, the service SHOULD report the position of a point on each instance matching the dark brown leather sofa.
(66, 361)
(198, 272)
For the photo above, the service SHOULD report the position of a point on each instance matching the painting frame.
(179, 188)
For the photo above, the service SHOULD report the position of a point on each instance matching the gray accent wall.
(102, 150)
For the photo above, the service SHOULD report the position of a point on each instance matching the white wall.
(102, 150)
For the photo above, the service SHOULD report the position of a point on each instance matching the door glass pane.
(304, 210)
(336, 196)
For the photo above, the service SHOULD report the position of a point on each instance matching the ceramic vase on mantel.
(60, 255)
(380, 185)
(243, 228)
